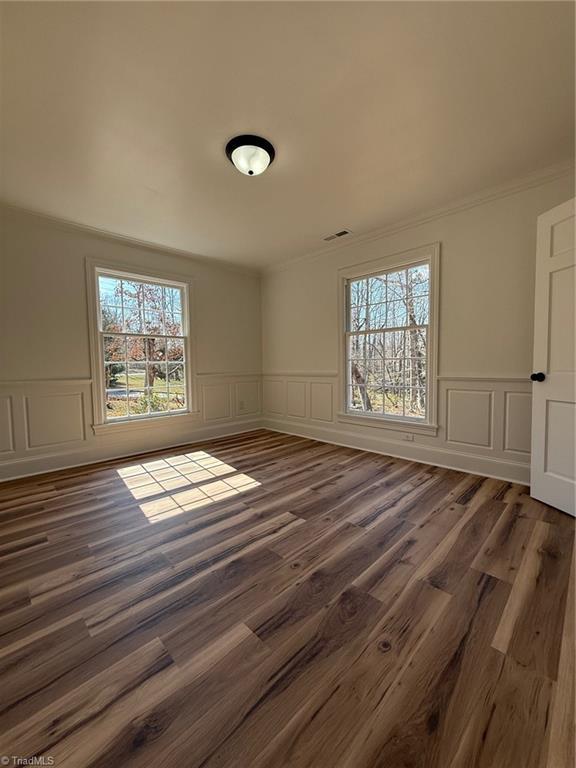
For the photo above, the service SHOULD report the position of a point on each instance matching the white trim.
(307, 374)
(429, 253)
(464, 462)
(484, 466)
(96, 266)
(146, 422)
(11, 430)
(491, 194)
(389, 261)
(41, 382)
(228, 374)
(395, 425)
(28, 466)
(483, 377)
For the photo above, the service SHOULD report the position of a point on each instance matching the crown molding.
(535, 179)
(488, 195)
(126, 240)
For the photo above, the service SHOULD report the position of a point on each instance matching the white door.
(553, 471)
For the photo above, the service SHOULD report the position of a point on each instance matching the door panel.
(553, 470)
(559, 421)
(561, 334)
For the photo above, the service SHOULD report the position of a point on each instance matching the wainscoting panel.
(469, 416)
(296, 400)
(483, 424)
(46, 415)
(6, 425)
(321, 399)
(216, 401)
(275, 396)
(517, 421)
(46, 425)
(247, 397)
(54, 419)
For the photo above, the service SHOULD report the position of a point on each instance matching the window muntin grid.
(387, 342)
(143, 334)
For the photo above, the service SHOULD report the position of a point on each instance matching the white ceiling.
(115, 115)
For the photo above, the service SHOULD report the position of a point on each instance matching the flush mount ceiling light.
(250, 154)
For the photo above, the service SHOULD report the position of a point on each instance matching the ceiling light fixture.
(251, 155)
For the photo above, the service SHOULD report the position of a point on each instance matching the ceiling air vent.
(336, 235)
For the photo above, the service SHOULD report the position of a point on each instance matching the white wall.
(45, 377)
(486, 309)
(485, 345)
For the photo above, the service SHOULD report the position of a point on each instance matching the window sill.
(135, 425)
(396, 425)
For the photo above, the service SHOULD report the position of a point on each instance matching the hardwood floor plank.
(320, 732)
(261, 704)
(438, 495)
(285, 614)
(14, 598)
(511, 729)
(448, 573)
(536, 510)
(562, 741)
(66, 716)
(92, 740)
(58, 605)
(424, 538)
(146, 738)
(504, 548)
(173, 587)
(34, 665)
(531, 627)
(418, 717)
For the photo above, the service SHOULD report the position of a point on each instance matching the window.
(389, 341)
(142, 329)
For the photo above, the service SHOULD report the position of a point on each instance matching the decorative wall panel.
(296, 398)
(469, 417)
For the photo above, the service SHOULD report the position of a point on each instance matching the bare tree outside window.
(143, 345)
(387, 341)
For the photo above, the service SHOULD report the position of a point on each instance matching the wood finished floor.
(264, 601)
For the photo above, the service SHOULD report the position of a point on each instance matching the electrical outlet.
(409, 436)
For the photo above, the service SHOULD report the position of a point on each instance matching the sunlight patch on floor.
(213, 480)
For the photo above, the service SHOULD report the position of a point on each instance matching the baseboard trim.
(30, 466)
(510, 471)
(499, 469)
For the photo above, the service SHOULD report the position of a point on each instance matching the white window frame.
(101, 424)
(429, 254)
